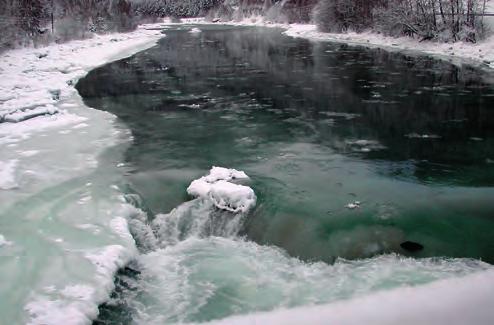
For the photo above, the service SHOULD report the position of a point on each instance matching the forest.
(37, 22)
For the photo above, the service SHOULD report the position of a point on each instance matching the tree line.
(25, 22)
(443, 20)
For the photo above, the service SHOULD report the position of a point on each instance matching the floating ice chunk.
(354, 205)
(225, 195)
(422, 136)
(348, 116)
(366, 145)
(195, 30)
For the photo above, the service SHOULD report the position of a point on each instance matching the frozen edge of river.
(42, 80)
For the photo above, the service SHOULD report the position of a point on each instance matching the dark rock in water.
(412, 246)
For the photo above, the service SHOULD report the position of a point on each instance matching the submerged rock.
(412, 246)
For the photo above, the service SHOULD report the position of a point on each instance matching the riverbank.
(63, 228)
(480, 54)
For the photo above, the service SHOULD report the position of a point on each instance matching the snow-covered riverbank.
(62, 220)
(481, 53)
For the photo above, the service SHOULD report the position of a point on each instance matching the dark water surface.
(316, 126)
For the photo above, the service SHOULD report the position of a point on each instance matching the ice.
(7, 174)
(195, 30)
(225, 195)
(422, 136)
(3, 241)
(66, 253)
(19, 116)
(470, 298)
(353, 205)
(28, 153)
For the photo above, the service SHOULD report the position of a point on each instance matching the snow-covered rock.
(225, 195)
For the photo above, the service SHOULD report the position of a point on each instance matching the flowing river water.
(351, 152)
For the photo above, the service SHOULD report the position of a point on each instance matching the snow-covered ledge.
(34, 80)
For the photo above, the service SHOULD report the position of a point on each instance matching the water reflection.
(317, 126)
(435, 117)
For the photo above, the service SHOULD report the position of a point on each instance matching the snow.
(481, 53)
(19, 115)
(353, 205)
(455, 301)
(42, 117)
(33, 84)
(7, 174)
(225, 195)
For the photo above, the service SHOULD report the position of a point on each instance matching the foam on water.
(200, 279)
(195, 267)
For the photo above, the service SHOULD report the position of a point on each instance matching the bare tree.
(444, 20)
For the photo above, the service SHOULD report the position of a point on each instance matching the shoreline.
(479, 55)
(78, 230)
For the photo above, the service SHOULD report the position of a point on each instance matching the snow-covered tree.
(445, 20)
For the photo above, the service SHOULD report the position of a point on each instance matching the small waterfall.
(199, 218)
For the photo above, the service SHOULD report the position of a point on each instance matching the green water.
(316, 126)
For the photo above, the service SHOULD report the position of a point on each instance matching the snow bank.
(224, 194)
(34, 80)
(455, 301)
(480, 53)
